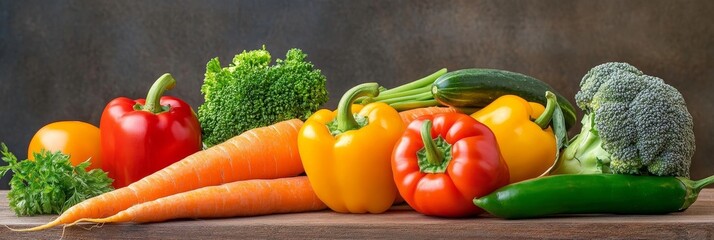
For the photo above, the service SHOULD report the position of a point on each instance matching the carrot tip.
(8, 227)
(38, 228)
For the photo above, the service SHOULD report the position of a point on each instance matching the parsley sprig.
(50, 184)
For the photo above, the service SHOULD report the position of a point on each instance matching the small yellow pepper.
(347, 157)
(526, 140)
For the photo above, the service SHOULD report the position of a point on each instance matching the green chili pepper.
(592, 193)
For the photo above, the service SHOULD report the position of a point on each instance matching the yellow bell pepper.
(522, 130)
(347, 157)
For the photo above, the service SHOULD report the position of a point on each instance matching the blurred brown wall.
(64, 60)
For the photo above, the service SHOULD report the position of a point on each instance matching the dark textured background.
(64, 60)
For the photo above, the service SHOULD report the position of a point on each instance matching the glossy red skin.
(137, 143)
(476, 168)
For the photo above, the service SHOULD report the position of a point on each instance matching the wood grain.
(400, 222)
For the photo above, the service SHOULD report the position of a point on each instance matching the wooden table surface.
(400, 222)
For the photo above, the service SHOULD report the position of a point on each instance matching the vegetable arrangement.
(636, 143)
(240, 158)
(477, 88)
(469, 90)
(452, 144)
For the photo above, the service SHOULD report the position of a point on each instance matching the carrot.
(261, 153)
(241, 198)
(409, 115)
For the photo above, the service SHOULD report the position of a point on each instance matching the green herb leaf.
(50, 184)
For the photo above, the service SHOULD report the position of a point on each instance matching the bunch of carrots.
(255, 173)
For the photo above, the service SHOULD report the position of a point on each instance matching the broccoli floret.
(251, 93)
(597, 76)
(633, 124)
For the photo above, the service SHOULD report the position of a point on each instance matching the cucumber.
(476, 88)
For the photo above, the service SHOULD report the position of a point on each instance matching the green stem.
(403, 106)
(699, 184)
(368, 100)
(153, 104)
(345, 118)
(693, 189)
(584, 155)
(421, 96)
(383, 96)
(433, 155)
(544, 119)
(425, 81)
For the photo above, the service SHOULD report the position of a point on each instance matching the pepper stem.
(165, 82)
(693, 189)
(436, 154)
(544, 119)
(433, 155)
(345, 118)
(699, 184)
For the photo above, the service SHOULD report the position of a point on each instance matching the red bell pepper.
(140, 137)
(440, 170)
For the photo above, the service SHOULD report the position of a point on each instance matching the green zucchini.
(476, 88)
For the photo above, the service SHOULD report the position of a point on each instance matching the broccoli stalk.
(633, 124)
(584, 154)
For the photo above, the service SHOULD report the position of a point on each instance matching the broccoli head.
(251, 93)
(633, 124)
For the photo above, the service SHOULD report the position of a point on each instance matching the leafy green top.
(50, 184)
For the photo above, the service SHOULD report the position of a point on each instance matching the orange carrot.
(261, 153)
(241, 198)
(409, 115)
